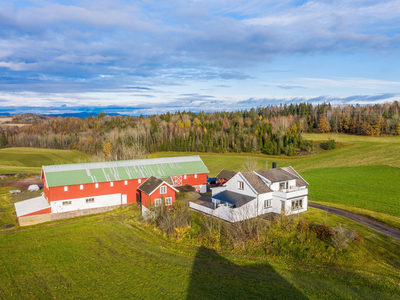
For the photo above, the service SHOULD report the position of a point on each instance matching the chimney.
(274, 165)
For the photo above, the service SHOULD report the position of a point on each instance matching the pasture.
(116, 256)
(31, 160)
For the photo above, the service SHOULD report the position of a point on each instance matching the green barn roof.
(61, 175)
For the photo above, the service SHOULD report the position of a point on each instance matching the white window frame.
(285, 185)
(195, 175)
(184, 176)
(65, 189)
(168, 201)
(240, 185)
(96, 185)
(297, 204)
(69, 202)
(139, 180)
(157, 202)
(126, 182)
(81, 187)
(268, 203)
(111, 183)
(90, 200)
(163, 189)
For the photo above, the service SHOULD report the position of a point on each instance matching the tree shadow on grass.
(214, 277)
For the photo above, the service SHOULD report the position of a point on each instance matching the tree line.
(273, 130)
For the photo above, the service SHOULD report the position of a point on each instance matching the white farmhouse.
(250, 194)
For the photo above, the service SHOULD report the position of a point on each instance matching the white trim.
(160, 185)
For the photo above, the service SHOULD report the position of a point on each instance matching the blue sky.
(149, 56)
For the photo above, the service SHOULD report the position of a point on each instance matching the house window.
(267, 203)
(168, 201)
(282, 185)
(157, 202)
(184, 176)
(81, 186)
(97, 185)
(111, 183)
(66, 202)
(240, 185)
(139, 180)
(65, 189)
(297, 204)
(163, 190)
(90, 200)
(195, 175)
(126, 182)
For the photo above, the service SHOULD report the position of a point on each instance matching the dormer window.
(283, 185)
(240, 185)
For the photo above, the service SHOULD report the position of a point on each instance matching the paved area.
(389, 231)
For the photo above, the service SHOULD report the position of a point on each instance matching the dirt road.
(360, 219)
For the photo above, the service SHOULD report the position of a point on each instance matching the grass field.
(31, 160)
(115, 256)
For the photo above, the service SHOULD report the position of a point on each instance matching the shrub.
(341, 237)
(323, 232)
(330, 144)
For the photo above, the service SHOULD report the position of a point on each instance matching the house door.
(124, 199)
(138, 199)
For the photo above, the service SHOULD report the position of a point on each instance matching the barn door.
(124, 199)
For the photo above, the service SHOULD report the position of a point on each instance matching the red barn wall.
(89, 190)
(191, 180)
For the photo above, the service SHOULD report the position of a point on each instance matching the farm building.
(246, 195)
(79, 189)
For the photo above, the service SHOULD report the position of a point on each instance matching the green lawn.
(115, 256)
(31, 160)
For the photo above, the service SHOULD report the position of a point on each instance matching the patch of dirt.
(25, 195)
(24, 183)
(8, 226)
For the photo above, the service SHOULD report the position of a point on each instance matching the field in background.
(31, 160)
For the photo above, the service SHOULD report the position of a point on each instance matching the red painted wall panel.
(191, 180)
(89, 190)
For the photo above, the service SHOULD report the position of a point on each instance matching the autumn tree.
(323, 125)
(107, 149)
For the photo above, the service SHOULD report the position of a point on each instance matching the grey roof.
(256, 183)
(300, 180)
(168, 180)
(233, 198)
(276, 175)
(150, 185)
(31, 205)
(226, 174)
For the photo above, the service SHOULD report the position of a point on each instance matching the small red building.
(156, 192)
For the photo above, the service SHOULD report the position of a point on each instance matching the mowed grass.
(115, 256)
(31, 160)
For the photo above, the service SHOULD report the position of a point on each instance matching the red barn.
(95, 186)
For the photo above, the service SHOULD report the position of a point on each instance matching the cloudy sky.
(149, 56)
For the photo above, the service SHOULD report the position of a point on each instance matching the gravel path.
(360, 219)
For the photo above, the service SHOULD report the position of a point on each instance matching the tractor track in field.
(389, 231)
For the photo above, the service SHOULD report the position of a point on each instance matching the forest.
(273, 130)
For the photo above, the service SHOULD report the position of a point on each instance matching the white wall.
(232, 185)
(80, 203)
